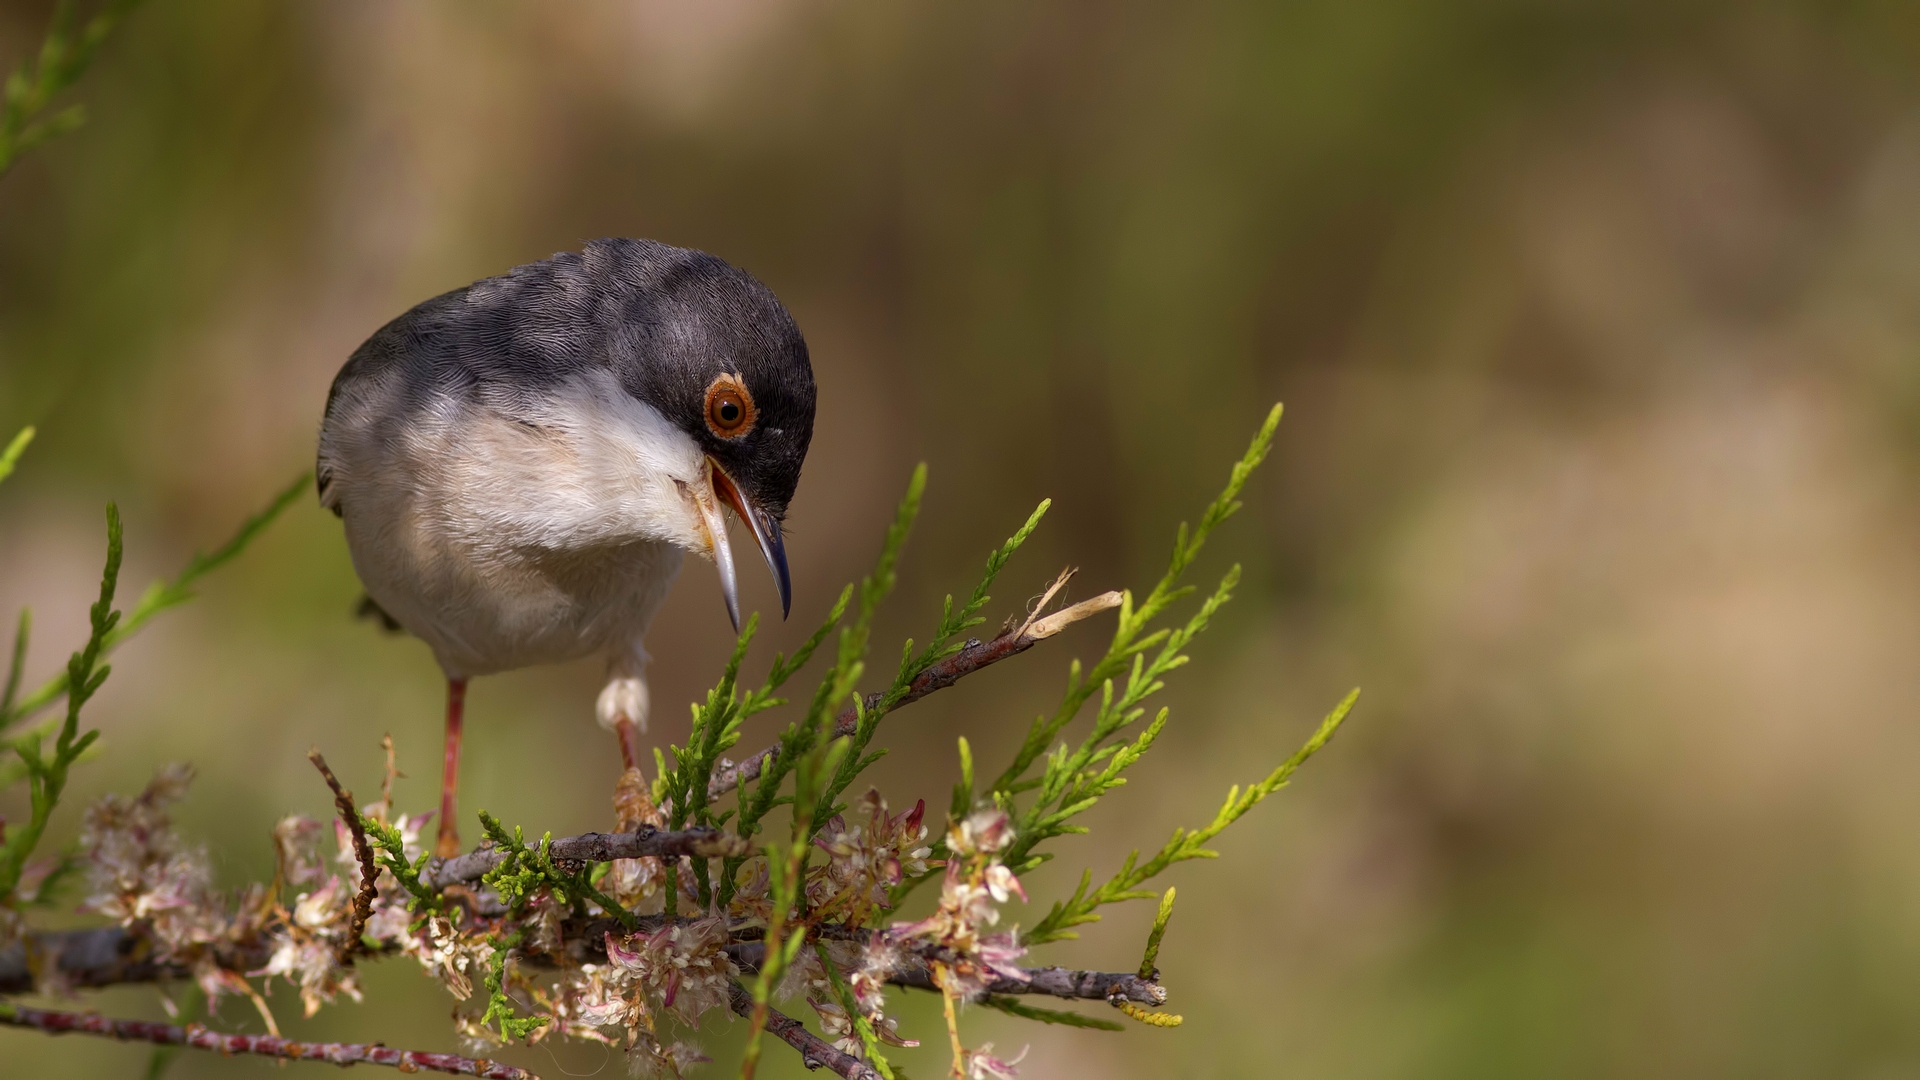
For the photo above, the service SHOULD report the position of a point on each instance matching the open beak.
(766, 533)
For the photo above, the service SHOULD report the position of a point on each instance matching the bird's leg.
(629, 734)
(448, 845)
(622, 708)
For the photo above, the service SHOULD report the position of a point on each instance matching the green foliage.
(717, 721)
(946, 641)
(11, 455)
(64, 56)
(963, 788)
(525, 870)
(1185, 844)
(1150, 962)
(1048, 784)
(1013, 1006)
(8, 459)
(716, 729)
(18, 662)
(47, 777)
(391, 853)
(787, 871)
(1072, 781)
(162, 595)
(806, 735)
(499, 1006)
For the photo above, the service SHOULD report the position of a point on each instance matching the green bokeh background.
(1597, 325)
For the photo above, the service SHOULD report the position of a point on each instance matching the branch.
(1057, 982)
(107, 956)
(644, 842)
(369, 873)
(1054, 981)
(976, 655)
(814, 1051)
(111, 956)
(198, 1037)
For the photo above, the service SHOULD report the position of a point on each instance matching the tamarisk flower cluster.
(867, 859)
(868, 967)
(680, 971)
(976, 882)
(682, 966)
(971, 959)
(451, 958)
(307, 940)
(143, 877)
(139, 873)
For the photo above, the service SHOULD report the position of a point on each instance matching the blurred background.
(1597, 327)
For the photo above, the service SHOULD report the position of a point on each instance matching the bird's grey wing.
(440, 347)
(503, 340)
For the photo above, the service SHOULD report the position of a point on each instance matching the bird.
(521, 465)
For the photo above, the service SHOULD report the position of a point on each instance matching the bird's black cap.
(666, 321)
(687, 327)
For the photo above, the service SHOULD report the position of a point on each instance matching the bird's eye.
(730, 412)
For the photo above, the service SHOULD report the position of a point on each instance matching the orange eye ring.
(730, 412)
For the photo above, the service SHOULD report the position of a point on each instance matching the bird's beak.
(766, 533)
(708, 506)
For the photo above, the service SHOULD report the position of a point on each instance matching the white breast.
(506, 536)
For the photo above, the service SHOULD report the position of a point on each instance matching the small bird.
(521, 464)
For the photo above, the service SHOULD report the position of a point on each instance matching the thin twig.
(369, 871)
(644, 842)
(1052, 981)
(194, 1035)
(944, 981)
(814, 1051)
(1046, 597)
(974, 656)
(1057, 982)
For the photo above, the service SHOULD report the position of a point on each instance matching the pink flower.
(982, 832)
(139, 870)
(682, 966)
(296, 850)
(867, 859)
(974, 884)
(1001, 882)
(982, 1065)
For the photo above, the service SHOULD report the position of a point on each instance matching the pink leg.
(449, 843)
(629, 743)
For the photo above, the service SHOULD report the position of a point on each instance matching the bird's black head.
(716, 353)
(713, 351)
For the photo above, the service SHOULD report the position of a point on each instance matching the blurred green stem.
(162, 595)
(64, 56)
(192, 1008)
(47, 777)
